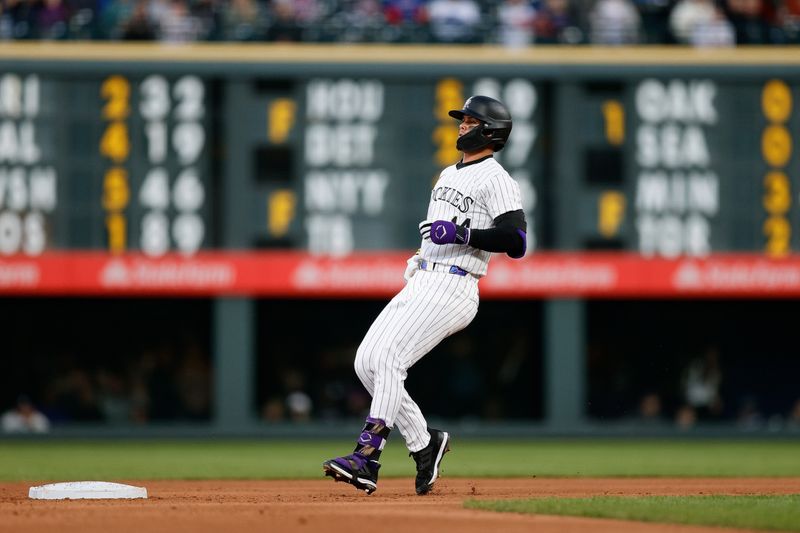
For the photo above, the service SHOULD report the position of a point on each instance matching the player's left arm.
(508, 234)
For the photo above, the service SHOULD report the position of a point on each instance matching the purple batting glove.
(443, 232)
(446, 232)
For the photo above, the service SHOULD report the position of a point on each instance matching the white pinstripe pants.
(431, 307)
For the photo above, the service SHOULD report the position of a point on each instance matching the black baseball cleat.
(429, 460)
(355, 469)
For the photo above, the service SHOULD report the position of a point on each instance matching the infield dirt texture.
(322, 505)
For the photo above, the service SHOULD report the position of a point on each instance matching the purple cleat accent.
(355, 469)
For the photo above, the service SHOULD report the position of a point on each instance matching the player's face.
(467, 124)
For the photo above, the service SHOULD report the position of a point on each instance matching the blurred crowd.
(694, 388)
(163, 384)
(172, 382)
(158, 368)
(514, 23)
(321, 386)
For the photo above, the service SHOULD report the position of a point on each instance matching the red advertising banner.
(380, 275)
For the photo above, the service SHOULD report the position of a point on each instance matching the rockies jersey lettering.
(473, 196)
(452, 197)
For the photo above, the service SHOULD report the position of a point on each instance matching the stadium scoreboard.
(143, 156)
(111, 161)
(692, 165)
(367, 152)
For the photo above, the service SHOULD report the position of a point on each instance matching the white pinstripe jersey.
(473, 195)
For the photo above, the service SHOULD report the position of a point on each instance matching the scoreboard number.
(173, 115)
(154, 193)
(115, 145)
(190, 93)
(154, 92)
(776, 149)
(155, 233)
(117, 91)
(188, 231)
(188, 193)
(156, 133)
(188, 140)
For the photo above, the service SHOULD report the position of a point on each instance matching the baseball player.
(475, 210)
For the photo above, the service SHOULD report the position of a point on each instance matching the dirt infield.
(322, 505)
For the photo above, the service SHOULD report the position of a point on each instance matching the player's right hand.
(447, 232)
(412, 266)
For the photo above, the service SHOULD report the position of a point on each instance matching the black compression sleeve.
(504, 236)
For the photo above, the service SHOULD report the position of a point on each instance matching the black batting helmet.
(495, 123)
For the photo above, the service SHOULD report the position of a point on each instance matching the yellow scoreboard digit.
(776, 149)
(115, 145)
